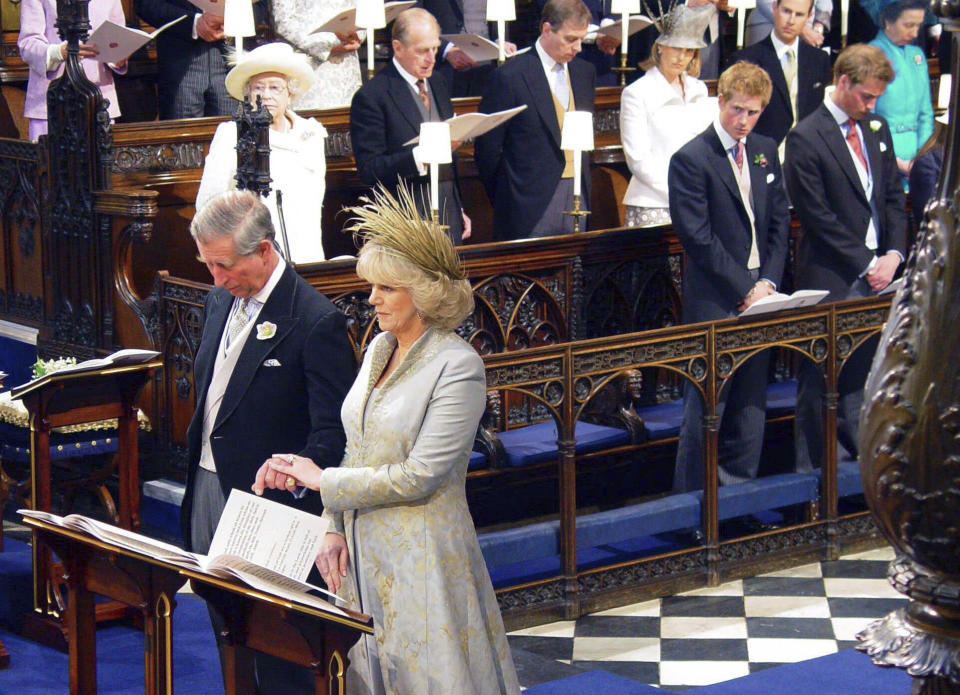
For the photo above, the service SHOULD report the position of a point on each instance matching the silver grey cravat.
(238, 320)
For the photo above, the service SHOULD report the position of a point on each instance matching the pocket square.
(271, 363)
(817, 85)
(770, 178)
(883, 147)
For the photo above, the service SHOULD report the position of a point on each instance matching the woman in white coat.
(662, 111)
(402, 545)
(278, 75)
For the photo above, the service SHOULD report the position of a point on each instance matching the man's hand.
(509, 48)
(459, 60)
(607, 44)
(812, 36)
(287, 472)
(348, 43)
(210, 27)
(761, 289)
(332, 560)
(467, 226)
(883, 272)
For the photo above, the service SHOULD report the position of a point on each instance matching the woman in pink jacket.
(41, 48)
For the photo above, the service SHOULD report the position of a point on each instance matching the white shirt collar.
(780, 47)
(548, 62)
(411, 80)
(839, 115)
(727, 140)
(263, 295)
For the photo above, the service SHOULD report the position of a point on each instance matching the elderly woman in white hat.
(662, 111)
(278, 75)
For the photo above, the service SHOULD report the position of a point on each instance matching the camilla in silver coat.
(402, 531)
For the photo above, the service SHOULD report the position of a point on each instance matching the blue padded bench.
(763, 494)
(531, 552)
(848, 479)
(477, 461)
(532, 444)
(662, 421)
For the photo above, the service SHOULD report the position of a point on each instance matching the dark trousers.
(742, 412)
(274, 676)
(808, 424)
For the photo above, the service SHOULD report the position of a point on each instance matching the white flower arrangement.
(44, 367)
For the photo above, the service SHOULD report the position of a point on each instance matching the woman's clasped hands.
(287, 472)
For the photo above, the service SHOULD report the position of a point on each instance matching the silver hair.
(237, 214)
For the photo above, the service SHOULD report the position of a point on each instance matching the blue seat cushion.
(662, 421)
(848, 479)
(520, 544)
(15, 443)
(532, 444)
(476, 461)
(768, 492)
(671, 513)
(782, 398)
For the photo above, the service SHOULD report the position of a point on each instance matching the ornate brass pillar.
(910, 439)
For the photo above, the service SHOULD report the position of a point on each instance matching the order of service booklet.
(116, 42)
(471, 125)
(778, 301)
(266, 545)
(346, 21)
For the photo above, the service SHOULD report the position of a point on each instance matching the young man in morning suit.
(271, 372)
(730, 214)
(840, 162)
(528, 178)
(784, 55)
(387, 111)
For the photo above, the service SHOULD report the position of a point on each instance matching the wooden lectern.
(68, 398)
(255, 620)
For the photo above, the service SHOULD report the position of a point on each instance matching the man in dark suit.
(271, 372)
(730, 213)
(840, 163)
(799, 71)
(528, 178)
(387, 111)
(191, 58)
(466, 77)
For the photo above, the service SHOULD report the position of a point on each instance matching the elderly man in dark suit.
(799, 71)
(271, 372)
(191, 58)
(730, 214)
(840, 162)
(387, 112)
(528, 178)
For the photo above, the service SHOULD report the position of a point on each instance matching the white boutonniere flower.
(266, 330)
(875, 126)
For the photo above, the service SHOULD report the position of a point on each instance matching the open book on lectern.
(266, 545)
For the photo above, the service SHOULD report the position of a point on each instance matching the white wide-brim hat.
(270, 57)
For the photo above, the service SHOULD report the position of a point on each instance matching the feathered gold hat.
(395, 225)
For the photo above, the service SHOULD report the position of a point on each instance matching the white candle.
(626, 33)
(577, 170)
(370, 15)
(741, 21)
(369, 50)
(844, 13)
(501, 32)
(434, 186)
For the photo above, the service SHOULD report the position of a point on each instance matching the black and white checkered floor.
(718, 633)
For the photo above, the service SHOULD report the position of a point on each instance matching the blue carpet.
(593, 682)
(848, 672)
(38, 670)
